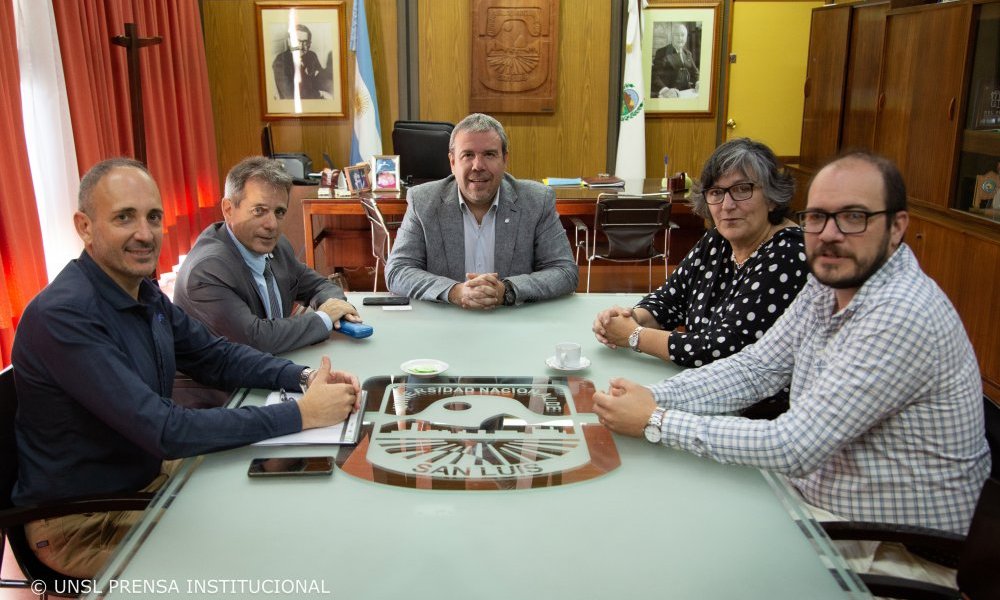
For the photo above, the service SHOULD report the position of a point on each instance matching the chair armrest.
(899, 587)
(578, 227)
(19, 515)
(942, 547)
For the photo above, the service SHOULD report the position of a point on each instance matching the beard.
(864, 269)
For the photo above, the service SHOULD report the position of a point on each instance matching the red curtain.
(180, 136)
(21, 256)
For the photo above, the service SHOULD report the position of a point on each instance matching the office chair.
(422, 147)
(13, 518)
(975, 555)
(630, 223)
(381, 237)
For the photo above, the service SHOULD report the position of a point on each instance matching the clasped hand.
(613, 326)
(330, 397)
(480, 291)
(625, 408)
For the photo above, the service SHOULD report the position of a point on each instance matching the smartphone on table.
(386, 301)
(295, 465)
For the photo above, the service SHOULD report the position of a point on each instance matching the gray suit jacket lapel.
(452, 230)
(506, 228)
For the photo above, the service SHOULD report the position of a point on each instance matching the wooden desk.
(570, 202)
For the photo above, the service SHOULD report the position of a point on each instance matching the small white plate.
(552, 362)
(424, 367)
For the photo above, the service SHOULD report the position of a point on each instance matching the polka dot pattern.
(724, 308)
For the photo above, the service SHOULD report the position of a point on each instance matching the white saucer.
(424, 367)
(551, 362)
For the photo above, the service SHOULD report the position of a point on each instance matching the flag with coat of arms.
(366, 140)
(630, 162)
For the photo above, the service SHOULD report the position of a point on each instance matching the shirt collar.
(118, 298)
(253, 260)
(464, 206)
(899, 261)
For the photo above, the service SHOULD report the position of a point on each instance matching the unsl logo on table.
(461, 435)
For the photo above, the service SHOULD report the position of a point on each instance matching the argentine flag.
(367, 138)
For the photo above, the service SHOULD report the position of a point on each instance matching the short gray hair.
(266, 170)
(754, 160)
(85, 197)
(479, 123)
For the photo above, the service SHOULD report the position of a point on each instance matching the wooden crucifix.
(132, 42)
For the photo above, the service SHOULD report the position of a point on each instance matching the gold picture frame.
(674, 79)
(304, 76)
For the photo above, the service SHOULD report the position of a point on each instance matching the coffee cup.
(568, 355)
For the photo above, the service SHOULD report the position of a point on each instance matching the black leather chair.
(630, 224)
(13, 518)
(976, 556)
(381, 234)
(422, 147)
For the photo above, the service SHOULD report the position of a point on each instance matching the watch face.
(652, 433)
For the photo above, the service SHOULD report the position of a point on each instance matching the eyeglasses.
(848, 221)
(738, 192)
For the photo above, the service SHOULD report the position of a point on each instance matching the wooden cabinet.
(863, 72)
(918, 121)
(965, 263)
(824, 88)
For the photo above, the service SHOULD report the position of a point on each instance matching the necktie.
(272, 299)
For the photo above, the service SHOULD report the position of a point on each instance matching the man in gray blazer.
(481, 238)
(242, 278)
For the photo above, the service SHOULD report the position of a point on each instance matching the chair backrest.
(991, 415)
(422, 147)
(977, 567)
(631, 225)
(381, 242)
(8, 445)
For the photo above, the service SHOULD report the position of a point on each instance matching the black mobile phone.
(296, 465)
(385, 301)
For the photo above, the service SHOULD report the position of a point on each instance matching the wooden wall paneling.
(570, 142)
(687, 141)
(826, 76)
(938, 249)
(978, 301)
(231, 54)
(918, 124)
(863, 70)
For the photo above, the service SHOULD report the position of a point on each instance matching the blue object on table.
(355, 330)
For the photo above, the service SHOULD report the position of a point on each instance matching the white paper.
(341, 433)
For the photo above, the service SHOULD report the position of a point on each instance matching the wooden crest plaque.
(515, 44)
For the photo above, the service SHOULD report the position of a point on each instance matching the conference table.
(571, 201)
(629, 519)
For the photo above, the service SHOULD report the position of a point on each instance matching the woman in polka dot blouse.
(736, 281)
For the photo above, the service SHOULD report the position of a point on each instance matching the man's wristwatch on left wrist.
(509, 296)
(654, 430)
(304, 378)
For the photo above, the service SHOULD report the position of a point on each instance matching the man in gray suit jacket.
(481, 238)
(224, 282)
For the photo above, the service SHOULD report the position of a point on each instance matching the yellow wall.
(771, 41)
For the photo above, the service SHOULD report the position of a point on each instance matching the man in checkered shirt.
(886, 416)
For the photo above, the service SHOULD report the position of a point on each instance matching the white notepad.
(341, 433)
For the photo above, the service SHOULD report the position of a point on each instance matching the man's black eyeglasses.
(738, 192)
(848, 221)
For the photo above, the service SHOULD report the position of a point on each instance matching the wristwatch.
(304, 378)
(508, 294)
(633, 338)
(653, 430)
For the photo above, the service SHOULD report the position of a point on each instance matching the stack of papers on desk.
(603, 181)
(347, 432)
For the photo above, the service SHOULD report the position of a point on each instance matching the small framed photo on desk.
(358, 178)
(385, 173)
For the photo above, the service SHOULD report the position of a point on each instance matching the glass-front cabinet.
(978, 180)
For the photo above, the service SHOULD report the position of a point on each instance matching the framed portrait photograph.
(358, 178)
(385, 173)
(303, 58)
(679, 47)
